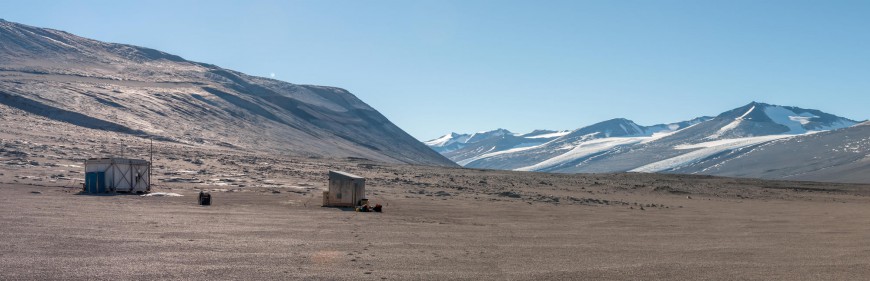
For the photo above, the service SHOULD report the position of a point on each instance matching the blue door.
(95, 182)
(90, 181)
(101, 182)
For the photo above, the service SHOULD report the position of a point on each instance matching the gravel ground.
(443, 223)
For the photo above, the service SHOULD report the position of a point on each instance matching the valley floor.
(444, 223)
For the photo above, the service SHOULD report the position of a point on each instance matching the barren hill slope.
(144, 92)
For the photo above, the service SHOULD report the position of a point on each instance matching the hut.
(345, 190)
(105, 175)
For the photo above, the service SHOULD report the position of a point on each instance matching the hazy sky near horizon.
(438, 66)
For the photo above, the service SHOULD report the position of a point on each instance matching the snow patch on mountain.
(583, 150)
(704, 150)
(497, 153)
(547, 136)
(446, 140)
(731, 126)
(486, 135)
(662, 134)
(788, 118)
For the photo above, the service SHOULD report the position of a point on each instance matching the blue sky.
(438, 66)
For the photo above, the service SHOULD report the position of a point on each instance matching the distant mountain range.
(141, 92)
(144, 92)
(756, 140)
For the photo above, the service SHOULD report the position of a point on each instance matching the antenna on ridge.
(150, 161)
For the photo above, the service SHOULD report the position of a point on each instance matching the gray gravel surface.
(557, 228)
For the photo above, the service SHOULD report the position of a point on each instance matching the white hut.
(104, 175)
(345, 190)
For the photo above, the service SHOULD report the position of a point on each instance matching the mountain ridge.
(147, 92)
(692, 146)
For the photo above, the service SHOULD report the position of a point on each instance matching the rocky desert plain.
(267, 223)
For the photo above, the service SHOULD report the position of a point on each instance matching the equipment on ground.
(204, 198)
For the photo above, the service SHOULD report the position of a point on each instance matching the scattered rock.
(510, 194)
(669, 189)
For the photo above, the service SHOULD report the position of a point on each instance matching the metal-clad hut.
(345, 190)
(104, 175)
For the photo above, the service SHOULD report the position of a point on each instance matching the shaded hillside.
(145, 92)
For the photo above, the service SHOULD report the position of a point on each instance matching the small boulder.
(510, 194)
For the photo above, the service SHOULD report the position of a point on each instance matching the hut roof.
(116, 161)
(346, 174)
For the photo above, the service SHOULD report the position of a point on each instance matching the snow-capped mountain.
(738, 131)
(140, 92)
(759, 119)
(515, 153)
(544, 134)
(693, 146)
(454, 141)
(459, 147)
(448, 142)
(841, 155)
(621, 127)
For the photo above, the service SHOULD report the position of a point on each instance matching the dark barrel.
(204, 198)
